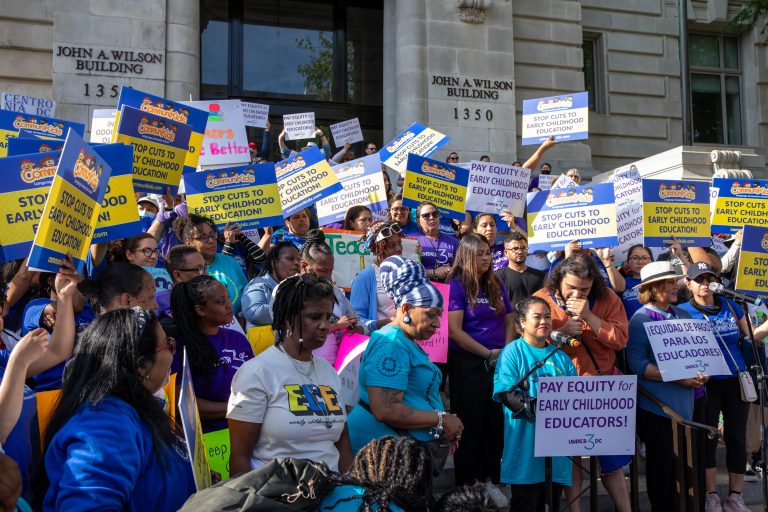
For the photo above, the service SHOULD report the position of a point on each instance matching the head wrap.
(406, 282)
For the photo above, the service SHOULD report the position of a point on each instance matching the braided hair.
(314, 246)
(393, 470)
(184, 297)
(379, 249)
(290, 297)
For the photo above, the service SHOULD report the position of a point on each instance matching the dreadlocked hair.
(467, 498)
(290, 297)
(474, 282)
(184, 297)
(393, 470)
(270, 264)
(314, 245)
(378, 249)
(185, 227)
(116, 249)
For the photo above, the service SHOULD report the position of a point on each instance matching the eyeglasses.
(707, 279)
(639, 258)
(147, 252)
(388, 231)
(484, 254)
(205, 237)
(516, 249)
(170, 344)
(431, 215)
(399, 209)
(199, 269)
(371, 148)
(453, 159)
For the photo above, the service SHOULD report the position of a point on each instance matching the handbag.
(746, 384)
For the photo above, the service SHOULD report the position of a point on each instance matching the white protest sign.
(546, 181)
(102, 125)
(565, 116)
(299, 126)
(28, 104)
(351, 256)
(564, 181)
(255, 114)
(347, 132)
(494, 187)
(685, 348)
(225, 140)
(629, 226)
(627, 186)
(363, 185)
(348, 369)
(714, 193)
(718, 245)
(585, 416)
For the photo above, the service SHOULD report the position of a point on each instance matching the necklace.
(308, 376)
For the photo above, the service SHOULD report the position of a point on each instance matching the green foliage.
(749, 16)
(318, 73)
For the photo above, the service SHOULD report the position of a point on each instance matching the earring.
(289, 332)
(407, 320)
(301, 344)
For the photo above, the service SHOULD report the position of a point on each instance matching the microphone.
(722, 290)
(559, 339)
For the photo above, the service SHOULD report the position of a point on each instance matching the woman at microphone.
(723, 392)
(658, 291)
(520, 469)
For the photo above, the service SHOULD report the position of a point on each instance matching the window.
(592, 49)
(715, 89)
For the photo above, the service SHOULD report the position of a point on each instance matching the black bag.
(280, 485)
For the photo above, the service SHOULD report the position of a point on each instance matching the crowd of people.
(107, 340)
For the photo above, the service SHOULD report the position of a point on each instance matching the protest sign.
(495, 187)
(564, 181)
(629, 226)
(685, 348)
(565, 116)
(739, 202)
(718, 245)
(193, 429)
(299, 126)
(627, 186)
(225, 141)
(586, 416)
(217, 447)
(178, 112)
(676, 210)
(363, 185)
(752, 273)
(159, 149)
(546, 181)
(436, 346)
(347, 366)
(118, 216)
(255, 114)
(346, 132)
(351, 256)
(442, 184)
(161, 277)
(103, 125)
(714, 193)
(72, 207)
(245, 195)
(27, 104)
(416, 139)
(559, 216)
(17, 146)
(304, 179)
(46, 127)
(23, 192)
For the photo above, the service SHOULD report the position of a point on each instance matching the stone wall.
(26, 40)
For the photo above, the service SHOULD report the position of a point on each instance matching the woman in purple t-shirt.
(437, 249)
(480, 323)
(200, 307)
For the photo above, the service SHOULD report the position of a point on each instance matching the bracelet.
(437, 431)
(490, 354)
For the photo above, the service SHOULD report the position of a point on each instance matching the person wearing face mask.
(148, 209)
(287, 402)
(582, 305)
(295, 230)
(317, 258)
(282, 262)
(200, 308)
(399, 385)
(109, 444)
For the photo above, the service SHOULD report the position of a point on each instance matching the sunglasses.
(170, 344)
(707, 279)
(430, 215)
(199, 269)
(388, 231)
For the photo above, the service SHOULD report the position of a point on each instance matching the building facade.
(463, 67)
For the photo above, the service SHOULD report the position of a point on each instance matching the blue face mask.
(146, 214)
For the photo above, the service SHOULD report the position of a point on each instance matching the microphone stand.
(760, 377)
(549, 499)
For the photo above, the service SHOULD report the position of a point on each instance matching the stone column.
(182, 50)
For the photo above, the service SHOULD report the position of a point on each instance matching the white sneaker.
(752, 474)
(735, 503)
(712, 503)
(497, 497)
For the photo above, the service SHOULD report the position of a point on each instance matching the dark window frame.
(599, 103)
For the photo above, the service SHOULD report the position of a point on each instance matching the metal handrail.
(712, 432)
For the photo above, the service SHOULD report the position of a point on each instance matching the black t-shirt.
(520, 285)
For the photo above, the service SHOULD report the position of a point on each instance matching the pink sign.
(351, 346)
(436, 347)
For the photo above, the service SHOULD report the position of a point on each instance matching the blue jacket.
(364, 299)
(103, 459)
